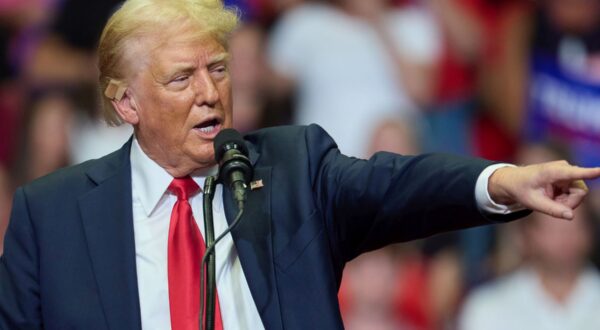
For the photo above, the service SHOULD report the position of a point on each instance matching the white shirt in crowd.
(346, 80)
(519, 302)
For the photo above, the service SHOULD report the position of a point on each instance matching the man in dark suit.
(92, 246)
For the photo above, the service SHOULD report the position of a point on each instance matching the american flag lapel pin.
(257, 184)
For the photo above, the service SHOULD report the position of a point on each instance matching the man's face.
(181, 93)
(559, 245)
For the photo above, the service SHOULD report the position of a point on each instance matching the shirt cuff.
(482, 195)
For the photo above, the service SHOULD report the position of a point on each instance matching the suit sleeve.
(391, 198)
(19, 271)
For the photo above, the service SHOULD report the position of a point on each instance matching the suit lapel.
(252, 238)
(108, 224)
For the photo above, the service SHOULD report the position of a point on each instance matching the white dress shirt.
(152, 206)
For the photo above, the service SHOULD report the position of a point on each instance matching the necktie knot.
(183, 187)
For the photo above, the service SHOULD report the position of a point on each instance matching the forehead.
(162, 50)
(185, 47)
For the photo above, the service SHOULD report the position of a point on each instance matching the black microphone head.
(231, 153)
(228, 139)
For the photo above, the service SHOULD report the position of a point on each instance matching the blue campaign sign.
(564, 106)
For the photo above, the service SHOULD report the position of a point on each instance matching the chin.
(205, 159)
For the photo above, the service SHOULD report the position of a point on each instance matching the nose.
(207, 93)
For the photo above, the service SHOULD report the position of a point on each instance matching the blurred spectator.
(248, 69)
(431, 284)
(475, 106)
(369, 292)
(47, 137)
(396, 135)
(62, 119)
(354, 62)
(555, 288)
(401, 287)
(449, 122)
(48, 96)
(19, 21)
(563, 103)
(478, 101)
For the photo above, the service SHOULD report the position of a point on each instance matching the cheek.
(225, 96)
(170, 110)
(225, 90)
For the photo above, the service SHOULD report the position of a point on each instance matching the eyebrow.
(219, 58)
(166, 76)
(179, 68)
(188, 67)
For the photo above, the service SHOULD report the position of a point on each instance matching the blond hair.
(139, 18)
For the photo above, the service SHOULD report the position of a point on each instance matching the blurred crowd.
(510, 80)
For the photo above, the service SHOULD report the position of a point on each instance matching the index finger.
(576, 173)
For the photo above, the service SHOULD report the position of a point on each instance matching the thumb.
(542, 203)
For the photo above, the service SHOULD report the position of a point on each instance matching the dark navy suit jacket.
(69, 256)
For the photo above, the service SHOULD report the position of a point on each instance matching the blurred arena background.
(510, 80)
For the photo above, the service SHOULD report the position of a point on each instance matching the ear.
(127, 108)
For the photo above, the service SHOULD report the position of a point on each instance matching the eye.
(219, 71)
(180, 79)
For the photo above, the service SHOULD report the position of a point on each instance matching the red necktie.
(185, 250)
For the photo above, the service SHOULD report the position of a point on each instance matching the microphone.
(235, 169)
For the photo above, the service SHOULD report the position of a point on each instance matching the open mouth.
(209, 127)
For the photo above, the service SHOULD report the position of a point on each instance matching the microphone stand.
(209, 254)
(209, 231)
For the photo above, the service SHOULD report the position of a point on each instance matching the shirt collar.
(149, 181)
